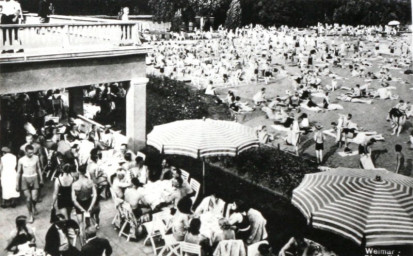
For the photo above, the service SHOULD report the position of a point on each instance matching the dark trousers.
(8, 19)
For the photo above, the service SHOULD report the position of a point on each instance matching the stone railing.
(67, 35)
(143, 22)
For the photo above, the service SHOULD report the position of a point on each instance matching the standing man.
(37, 148)
(29, 179)
(44, 11)
(319, 144)
(399, 158)
(12, 11)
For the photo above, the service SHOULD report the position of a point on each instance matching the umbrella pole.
(203, 177)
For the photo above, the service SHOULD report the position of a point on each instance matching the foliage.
(91, 7)
(206, 7)
(303, 13)
(274, 169)
(169, 100)
(234, 13)
(370, 12)
(299, 13)
(162, 10)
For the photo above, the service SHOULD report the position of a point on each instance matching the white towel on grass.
(278, 127)
(344, 154)
(366, 162)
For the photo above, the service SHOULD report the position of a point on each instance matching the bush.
(271, 168)
(169, 100)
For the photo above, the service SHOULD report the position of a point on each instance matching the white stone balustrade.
(68, 35)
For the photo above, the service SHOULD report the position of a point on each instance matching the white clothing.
(140, 173)
(209, 205)
(294, 133)
(8, 176)
(85, 147)
(383, 93)
(259, 97)
(30, 128)
(209, 90)
(11, 8)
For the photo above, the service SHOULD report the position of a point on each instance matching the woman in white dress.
(8, 178)
(294, 135)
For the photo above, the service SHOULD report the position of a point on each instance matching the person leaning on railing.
(44, 11)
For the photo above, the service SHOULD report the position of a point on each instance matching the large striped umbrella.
(370, 207)
(202, 138)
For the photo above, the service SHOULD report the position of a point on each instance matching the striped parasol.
(370, 207)
(202, 138)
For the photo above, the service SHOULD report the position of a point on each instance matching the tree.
(206, 7)
(234, 15)
(164, 10)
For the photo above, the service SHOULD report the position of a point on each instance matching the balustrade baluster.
(65, 36)
(75, 35)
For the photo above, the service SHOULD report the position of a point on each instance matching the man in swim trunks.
(29, 179)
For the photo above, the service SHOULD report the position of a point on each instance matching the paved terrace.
(119, 244)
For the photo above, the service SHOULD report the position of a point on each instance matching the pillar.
(136, 113)
(75, 101)
(1, 124)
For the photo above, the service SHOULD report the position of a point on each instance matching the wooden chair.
(154, 228)
(117, 203)
(130, 221)
(170, 245)
(191, 249)
(195, 185)
(253, 249)
(185, 175)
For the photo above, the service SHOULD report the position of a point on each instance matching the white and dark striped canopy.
(202, 138)
(354, 204)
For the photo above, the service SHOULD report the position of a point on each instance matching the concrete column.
(136, 113)
(75, 101)
(1, 125)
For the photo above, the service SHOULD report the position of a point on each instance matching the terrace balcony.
(72, 37)
(73, 51)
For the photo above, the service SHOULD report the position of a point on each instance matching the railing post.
(135, 34)
(65, 36)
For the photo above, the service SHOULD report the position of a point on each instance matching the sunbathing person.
(350, 98)
(243, 106)
(278, 115)
(397, 116)
(383, 93)
(294, 101)
(260, 98)
(263, 136)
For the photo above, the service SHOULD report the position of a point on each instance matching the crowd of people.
(317, 62)
(88, 163)
(86, 168)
